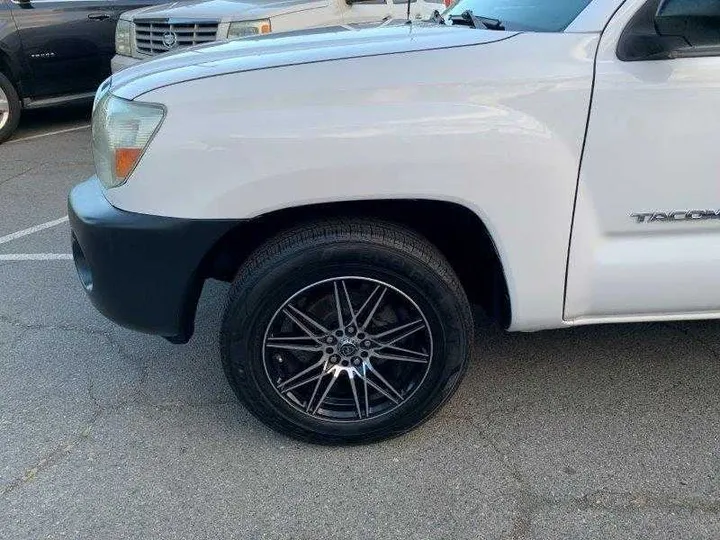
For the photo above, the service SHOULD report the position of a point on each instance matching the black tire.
(320, 253)
(11, 124)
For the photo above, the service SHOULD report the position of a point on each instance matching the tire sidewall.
(14, 106)
(250, 316)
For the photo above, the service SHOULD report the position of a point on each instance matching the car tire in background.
(346, 332)
(9, 108)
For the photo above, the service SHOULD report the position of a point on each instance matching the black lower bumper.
(143, 272)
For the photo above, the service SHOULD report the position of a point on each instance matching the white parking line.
(35, 257)
(31, 230)
(41, 135)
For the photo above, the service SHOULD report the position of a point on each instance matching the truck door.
(646, 234)
(68, 43)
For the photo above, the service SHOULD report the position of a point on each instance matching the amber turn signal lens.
(265, 28)
(125, 160)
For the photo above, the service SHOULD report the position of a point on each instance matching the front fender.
(497, 128)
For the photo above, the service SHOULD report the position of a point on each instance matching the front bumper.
(143, 272)
(120, 62)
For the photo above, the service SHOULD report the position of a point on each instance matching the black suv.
(54, 52)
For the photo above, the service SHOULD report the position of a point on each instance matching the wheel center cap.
(348, 348)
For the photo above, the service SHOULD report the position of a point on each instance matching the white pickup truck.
(556, 163)
(146, 32)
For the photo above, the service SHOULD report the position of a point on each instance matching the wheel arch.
(11, 70)
(458, 232)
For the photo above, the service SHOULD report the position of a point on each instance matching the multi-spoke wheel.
(9, 108)
(348, 349)
(345, 332)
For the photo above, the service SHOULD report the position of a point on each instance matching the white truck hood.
(285, 49)
(219, 9)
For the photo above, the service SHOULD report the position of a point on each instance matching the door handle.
(99, 16)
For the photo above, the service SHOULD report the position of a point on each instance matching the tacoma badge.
(676, 215)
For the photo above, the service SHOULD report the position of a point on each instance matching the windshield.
(532, 15)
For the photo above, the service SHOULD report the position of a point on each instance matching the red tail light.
(447, 2)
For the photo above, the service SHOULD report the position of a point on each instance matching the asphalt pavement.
(598, 432)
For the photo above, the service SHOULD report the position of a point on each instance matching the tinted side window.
(697, 21)
(672, 29)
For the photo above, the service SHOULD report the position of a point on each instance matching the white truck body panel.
(506, 124)
(436, 129)
(652, 146)
(595, 16)
(263, 52)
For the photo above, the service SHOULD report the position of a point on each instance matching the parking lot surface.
(598, 432)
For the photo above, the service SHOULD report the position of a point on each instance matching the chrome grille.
(150, 35)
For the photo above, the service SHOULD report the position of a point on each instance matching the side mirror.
(696, 21)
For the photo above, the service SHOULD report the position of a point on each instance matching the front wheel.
(346, 332)
(9, 108)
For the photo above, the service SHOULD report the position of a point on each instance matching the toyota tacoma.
(554, 162)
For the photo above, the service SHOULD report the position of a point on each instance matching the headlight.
(248, 28)
(122, 38)
(121, 131)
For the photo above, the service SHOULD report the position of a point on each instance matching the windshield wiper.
(470, 19)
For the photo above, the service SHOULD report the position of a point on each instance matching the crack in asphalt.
(66, 448)
(55, 456)
(118, 347)
(122, 352)
(629, 500)
(528, 502)
(18, 175)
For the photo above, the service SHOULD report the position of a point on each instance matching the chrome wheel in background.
(10, 108)
(4, 108)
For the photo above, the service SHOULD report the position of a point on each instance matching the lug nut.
(333, 358)
(357, 361)
(366, 343)
(351, 330)
(330, 339)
